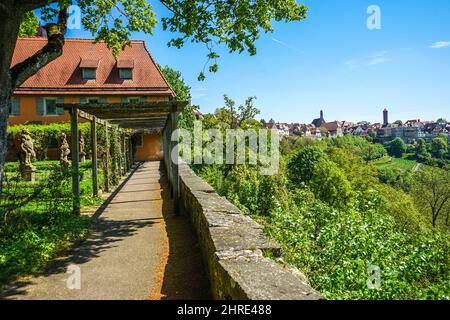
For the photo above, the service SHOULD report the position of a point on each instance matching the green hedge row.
(45, 136)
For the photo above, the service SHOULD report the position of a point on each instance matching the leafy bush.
(37, 223)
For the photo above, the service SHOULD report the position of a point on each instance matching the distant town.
(409, 131)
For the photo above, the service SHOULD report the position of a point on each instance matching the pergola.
(153, 116)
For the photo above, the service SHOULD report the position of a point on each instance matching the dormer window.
(125, 69)
(89, 69)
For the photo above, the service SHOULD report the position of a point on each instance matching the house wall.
(151, 149)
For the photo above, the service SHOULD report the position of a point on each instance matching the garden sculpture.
(65, 151)
(27, 170)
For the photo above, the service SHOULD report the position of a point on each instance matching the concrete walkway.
(138, 250)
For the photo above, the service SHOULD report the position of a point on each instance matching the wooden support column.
(130, 152)
(119, 165)
(174, 164)
(75, 160)
(168, 145)
(124, 154)
(106, 173)
(94, 157)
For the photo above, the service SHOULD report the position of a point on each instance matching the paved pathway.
(138, 250)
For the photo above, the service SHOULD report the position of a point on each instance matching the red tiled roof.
(64, 76)
(89, 63)
(126, 64)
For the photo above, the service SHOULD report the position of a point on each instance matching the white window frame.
(46, 114)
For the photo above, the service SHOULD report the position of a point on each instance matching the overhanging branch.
(52, 50)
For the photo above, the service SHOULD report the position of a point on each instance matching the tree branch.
(29, 5)
(52, 50)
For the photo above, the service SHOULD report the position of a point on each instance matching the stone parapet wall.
(233, 245)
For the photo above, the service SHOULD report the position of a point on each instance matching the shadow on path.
(184, 274)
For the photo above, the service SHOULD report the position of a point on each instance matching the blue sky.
(331, 61)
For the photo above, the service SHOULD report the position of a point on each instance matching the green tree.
(373, 151)
(422, 153)
(177, 83)
(431, 190)
(441, 121)
(397, 147)
(439, 147)
(302, 166)
(234, 24)
(29, 25)
(330, 185)
(240, 117)
(183, 92)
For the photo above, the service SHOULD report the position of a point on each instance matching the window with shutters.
(50, 108)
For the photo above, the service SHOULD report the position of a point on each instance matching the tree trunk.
(10, 78)
(9, 29)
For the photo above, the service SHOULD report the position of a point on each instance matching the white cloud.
(352, 64)
(284, 44)
(198, 92)
(372, 60)
(440, 45)
(378, 58)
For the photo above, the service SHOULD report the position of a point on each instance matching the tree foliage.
(334, 220)
(397, 147)
(431, 189)
(234, 24)
(29, 25)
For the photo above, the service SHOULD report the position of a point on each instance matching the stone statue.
(82, 152)
(27, 153)
(65, 151)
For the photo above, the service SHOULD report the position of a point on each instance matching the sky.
(330, 61)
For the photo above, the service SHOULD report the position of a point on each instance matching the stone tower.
(385, 117)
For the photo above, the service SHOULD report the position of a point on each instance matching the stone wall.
(232, 246)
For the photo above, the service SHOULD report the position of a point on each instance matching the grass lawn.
(399, 163)
(42, 227)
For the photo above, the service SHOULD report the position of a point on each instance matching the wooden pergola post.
(94, 157)
(174, 164)
(120, 160)
(75, 160)
(106, 173)
(124, 154)
(167, 149)
(130, 152)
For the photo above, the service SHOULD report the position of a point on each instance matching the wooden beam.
(124, 154)
(130, 152)
(94, 157)
(75, 161)
(106, 173)
(175, 173)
